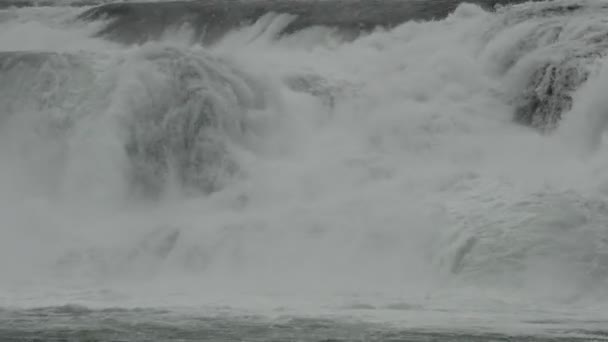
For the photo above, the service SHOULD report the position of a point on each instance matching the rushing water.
(272, 170)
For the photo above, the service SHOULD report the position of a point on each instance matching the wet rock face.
(554, 49)
(549, 95)
(137, 22)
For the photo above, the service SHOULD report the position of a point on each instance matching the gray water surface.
(74, 323)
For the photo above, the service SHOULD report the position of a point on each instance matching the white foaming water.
(391, 172)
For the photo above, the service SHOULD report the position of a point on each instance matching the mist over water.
(453, 163)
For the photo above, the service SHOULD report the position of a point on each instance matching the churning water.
(280, 170)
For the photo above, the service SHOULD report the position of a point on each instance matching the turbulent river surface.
(294, 170)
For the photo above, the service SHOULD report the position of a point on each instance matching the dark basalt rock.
(549, 94)
(562, 60)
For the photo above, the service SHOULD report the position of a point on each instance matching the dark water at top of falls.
(549, 90)
(139, 21)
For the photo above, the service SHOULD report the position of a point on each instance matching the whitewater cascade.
(287, 152)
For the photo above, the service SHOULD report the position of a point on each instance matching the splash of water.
(388, 166)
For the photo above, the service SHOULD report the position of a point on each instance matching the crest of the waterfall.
(136, 22)
(545, 52)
